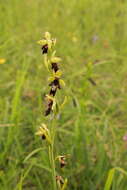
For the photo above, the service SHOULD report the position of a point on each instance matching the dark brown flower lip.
(53, 91)
(49, 107)
(45, 49)
(43, 137)
(47, 111)
(56, 83)
(55, 67)
(54, 86)
(62, 161)
(63, 164)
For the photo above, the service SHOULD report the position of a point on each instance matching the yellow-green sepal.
(55, 59)
(62, 83)
(42, 42)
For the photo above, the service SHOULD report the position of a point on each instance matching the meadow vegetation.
(92, 127)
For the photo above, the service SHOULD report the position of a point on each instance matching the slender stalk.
(53, 168)
(52, 158)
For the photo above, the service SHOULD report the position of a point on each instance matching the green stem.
(53, 170)
(52, 159)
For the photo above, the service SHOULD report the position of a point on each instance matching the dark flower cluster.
(49, 104)
(47, 43)
(55, 85)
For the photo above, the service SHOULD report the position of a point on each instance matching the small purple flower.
(95, 38)
(125, 137)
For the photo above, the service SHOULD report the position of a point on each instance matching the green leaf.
(32, 153)
(64, 185)
(109, 179)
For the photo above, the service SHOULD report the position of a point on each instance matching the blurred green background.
(93, 122)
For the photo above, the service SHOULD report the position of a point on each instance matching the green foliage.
(92, 41)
